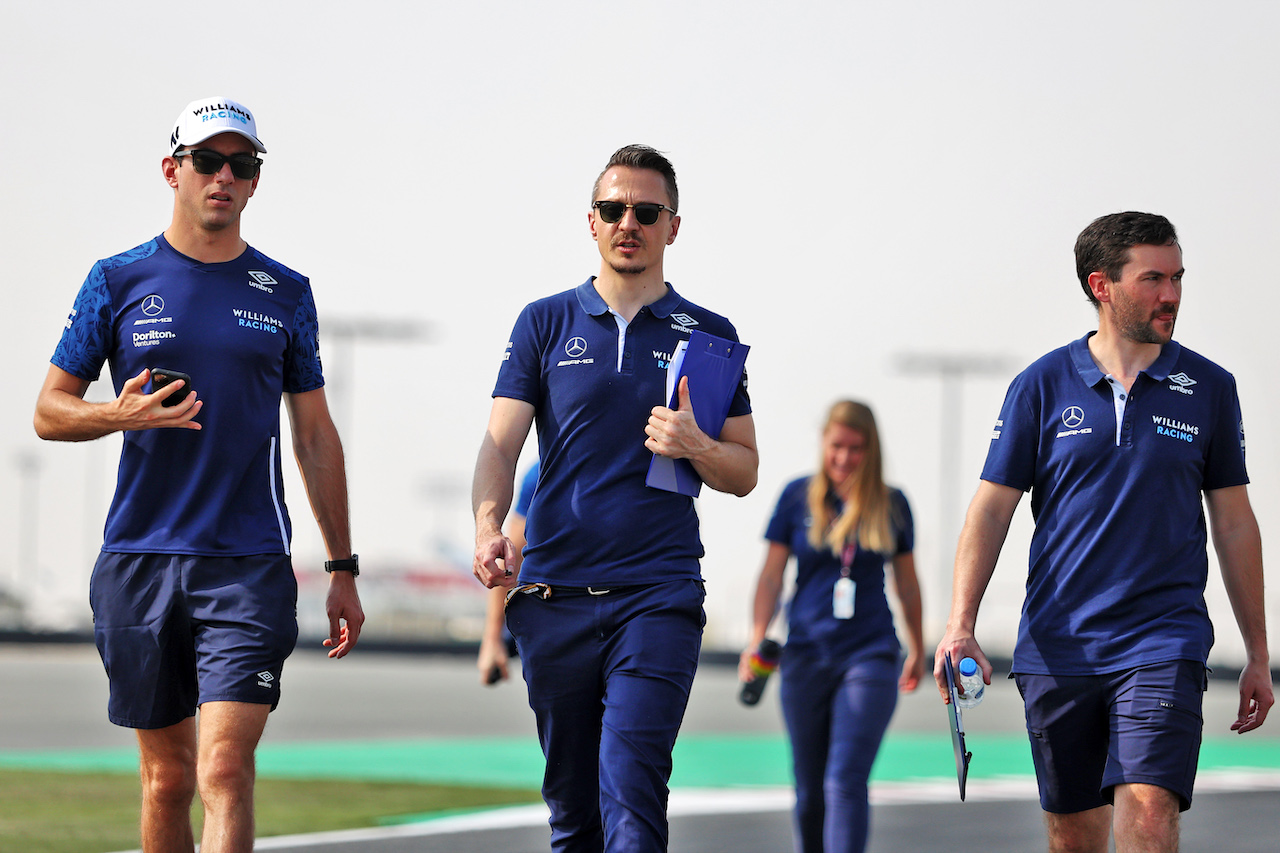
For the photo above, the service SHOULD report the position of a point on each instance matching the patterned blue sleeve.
(302, 370)
(86, 340)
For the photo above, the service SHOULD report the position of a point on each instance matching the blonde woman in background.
(842, 666)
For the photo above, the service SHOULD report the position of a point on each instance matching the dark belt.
(546, 590)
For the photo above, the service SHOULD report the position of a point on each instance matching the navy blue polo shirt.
(246, 332)
(811, 622)
(593, 521)
(1119, 557)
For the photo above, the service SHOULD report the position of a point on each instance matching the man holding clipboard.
(963, 756)
(1126, 440)
(608, 611)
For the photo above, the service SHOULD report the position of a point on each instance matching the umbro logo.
(1181, 383)
(262, 281)
(265, 679)
(684, 319)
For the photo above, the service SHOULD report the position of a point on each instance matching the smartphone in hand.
(161, 377)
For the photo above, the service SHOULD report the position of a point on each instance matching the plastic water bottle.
(764, 660)
(971, 681)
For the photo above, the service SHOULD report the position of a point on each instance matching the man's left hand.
(346, 616)
(675, 433)
(1256, 697)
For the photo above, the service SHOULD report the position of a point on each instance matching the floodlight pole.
(28, 465)
(952, 370)
(443, 492)
(344, 332)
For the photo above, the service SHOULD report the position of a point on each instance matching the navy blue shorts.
(1091, 733)
(176, 631)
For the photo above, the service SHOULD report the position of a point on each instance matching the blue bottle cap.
(968, 666)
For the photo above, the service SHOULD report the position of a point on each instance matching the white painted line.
(697, 801)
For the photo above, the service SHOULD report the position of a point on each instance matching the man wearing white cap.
(194, 596)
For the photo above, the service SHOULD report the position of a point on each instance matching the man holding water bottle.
(1117, 435)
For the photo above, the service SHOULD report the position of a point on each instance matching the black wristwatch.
(351, 564)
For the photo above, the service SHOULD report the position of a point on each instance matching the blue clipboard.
(714, 366)
(957, 728)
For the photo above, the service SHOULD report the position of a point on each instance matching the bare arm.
(1239, 547)
(493, 487)
(765, 603)
(320, 460)
(493, 651)
(985, 527)
(907, 584)
(62, 413)
(491, 659)
(729, 464)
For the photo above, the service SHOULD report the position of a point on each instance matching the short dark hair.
(643, 157)
(1104, 246)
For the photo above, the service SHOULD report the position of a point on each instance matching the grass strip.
(52, 812)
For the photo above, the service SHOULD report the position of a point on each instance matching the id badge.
(842, 598)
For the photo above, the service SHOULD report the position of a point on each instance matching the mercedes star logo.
(152, 305)
(1073, 416)
(575, 347)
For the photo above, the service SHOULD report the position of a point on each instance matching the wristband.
(349, 565)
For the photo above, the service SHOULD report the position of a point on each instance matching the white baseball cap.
(207, 117)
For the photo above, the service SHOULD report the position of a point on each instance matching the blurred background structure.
(864, 187)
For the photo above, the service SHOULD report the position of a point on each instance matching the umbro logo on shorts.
(265, 679)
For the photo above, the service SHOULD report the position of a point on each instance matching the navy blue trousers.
(836, 713)
(609, 679)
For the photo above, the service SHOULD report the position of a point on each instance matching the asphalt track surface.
(404, 717)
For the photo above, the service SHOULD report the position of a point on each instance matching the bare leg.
(1146, 819)
(229, 734)
(1079, 832)
(168, 771)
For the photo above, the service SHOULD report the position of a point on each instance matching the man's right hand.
(62, 413)
(492, 661)
(147, 411)
(497, 562)
(960, 646)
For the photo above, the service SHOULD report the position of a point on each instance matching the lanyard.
(847, 556)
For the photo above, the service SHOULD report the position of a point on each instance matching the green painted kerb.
(701, 761)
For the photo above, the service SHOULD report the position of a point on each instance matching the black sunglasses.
(646, 212)
(208, 162)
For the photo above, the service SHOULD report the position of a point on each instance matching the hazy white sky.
(858, 181)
